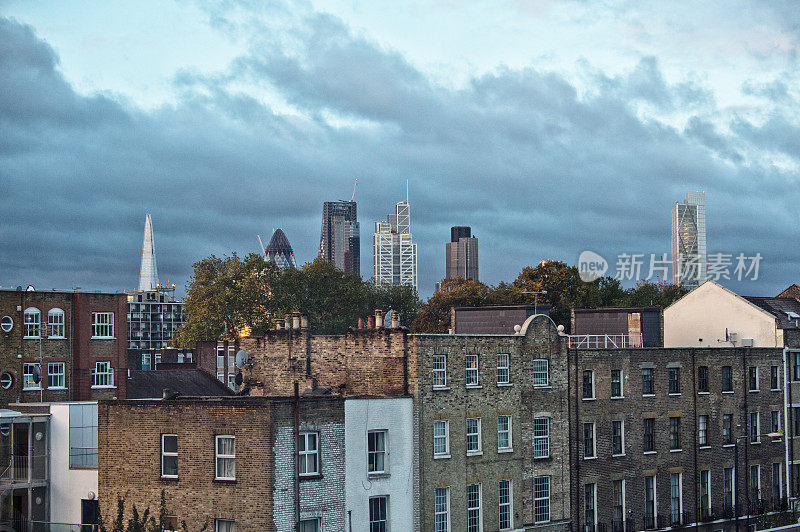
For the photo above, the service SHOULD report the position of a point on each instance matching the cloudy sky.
(550, 127)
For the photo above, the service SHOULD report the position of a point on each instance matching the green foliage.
(435, 314)
(143, 523)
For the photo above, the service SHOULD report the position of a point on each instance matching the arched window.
(55, 323)
(32, 322)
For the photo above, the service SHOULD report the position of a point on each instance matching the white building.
(689, 240)
(379, 463)
(394, 251)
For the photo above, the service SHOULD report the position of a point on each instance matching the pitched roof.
(792, 291)
(144, 384)
(783, 308)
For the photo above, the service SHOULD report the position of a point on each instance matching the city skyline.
(561, 128)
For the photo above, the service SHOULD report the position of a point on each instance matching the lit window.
(541, 498)
(376, 451)
(169, 455)
(441, 438)
(505, 498)
(55, 375)
(503, 375)
(378, 521)
(504, 442)
(541, 437)
(32, 322)
(541, 374)
(29, 369)
(103, 375)
(439, 371)
(473, 435)
(309, 454)
(55, 323)
(226, 457)
(472, 370)
(102, 325)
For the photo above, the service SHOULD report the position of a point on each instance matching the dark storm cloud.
(538, 170)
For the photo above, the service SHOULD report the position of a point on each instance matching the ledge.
(57, 388)
(648, 395)
(587, 399)
(225, 480)
(504, 384)
(440, 388)
(316, 476)
(441, 456)
(505, 450)
(474, 386)
(475, 453)
(650, 452)
(618, 397)
(703, 393)
(380, 474)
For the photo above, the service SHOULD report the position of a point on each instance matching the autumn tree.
(434, 317)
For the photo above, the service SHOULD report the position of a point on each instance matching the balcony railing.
(604, 341)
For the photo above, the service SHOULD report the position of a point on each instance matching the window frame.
(439, 371)
(541, 442)
(218, 522)
(509, 433)
(591, 385)
(775, 421)
(27, 377)
(618, 383)
(774, 378)
(503, 369)
(478, 508)
(649, 436)
(675, 443)
(540, 378)
(707, 507)
(31, 326)
(727, 419)
(62, 374)
(674, 380)
(467, 434)
(508, 505)
(621, 423)
(471, 373)
(383, 454)
(218, 456)
(752, 375)
(438, 513)
(303, 454)
(654, 485)
(103, 327)
(590, 488)
(54, 325)
(170, 454)
(650, 388)
(755, 428)
(377, 521)
(593, 440)
(727, 379)
(446, 452)
(536, 500)
(149, 364)
(672, 509)
(107, 375)
(702, 379)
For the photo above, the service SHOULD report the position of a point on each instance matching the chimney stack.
(278, 325)
(295, 321)
(378, 319)
(303, 321)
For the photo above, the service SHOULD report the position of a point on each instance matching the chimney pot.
(395, 320)
(371, 322)
(304, 321)
(360, 323)
(295, 321)
(378, 319)
(278, 324)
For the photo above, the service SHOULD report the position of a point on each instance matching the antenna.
(406, 191)
(263, 251)
(353, 197)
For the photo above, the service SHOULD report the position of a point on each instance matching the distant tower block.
(461, 254)
(340, 239)
(689, 241)
(148, 272)
(279, 251)
(395, 253)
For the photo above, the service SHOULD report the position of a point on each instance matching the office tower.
(279, 251)
(148, 273)
(395, 253)
(340, 241)
(689, 241)
(461, 254)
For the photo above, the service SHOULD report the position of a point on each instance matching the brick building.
(76, 341)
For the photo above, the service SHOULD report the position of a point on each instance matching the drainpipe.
(788, 432)
(694, 438)
(297, 454)
(747, 437)
(576, 504)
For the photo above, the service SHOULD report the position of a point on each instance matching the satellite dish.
(241, 358)
(238, 379)
(37, 374)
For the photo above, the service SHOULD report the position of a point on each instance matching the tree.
(562, 284)
(401, 299)
(434, 317)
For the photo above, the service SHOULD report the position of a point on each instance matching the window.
(796, 356)
(220, 357)
(439, 371)
(180, 358)
(702, 379)
(28, 370)
(755, 483)
(6, 324)
(649, 435)
(727, 429)
(102, 325)
(674, 433)
(618, 521)
(616, 383)
(504, 442)
(674, 380)
(376, 451)
(796, 421)
(541, 373)
(702, 430)
(232, 380)
(775, 421)
(649, 502)
(541, 498)
(617, 437)
(541, 437)
(773, 378)
(103, 375)
(55, 323)
(55, 375)
(82, 435)
(675, 498)
(590, 507)
(705, 494)
(474, 518)
(226, 457)
(589, 450)
(441, 438)
(727, 379)
(6, 380)
(755, 429)
(169, 455)
(157, 359)
(308, 445)
(777, 492)
(378, 514)
(727, 489)
(32, 321)
(505, 500)
(227, 525)
(441, 510)
(146, 361)
(503, 376)
(588, 384)
(752, 378)
(647, 381)
(474, 436)
(472, 370)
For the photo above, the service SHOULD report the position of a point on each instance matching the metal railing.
(604, 341)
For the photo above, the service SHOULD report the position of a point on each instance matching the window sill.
(378, 474)
(729, 445)
(703, 393)
(618, 397)
(753, 391)
(103, 338)
(755, 443)
(474, 453)
(617, 455)
(104, 387)
(727, 391)
(169, 477)
(310, 477)
(650, 452)
(474, 386)
(504, 384)
(677, 394)
(56, 337)
(541, 457)
(587, 399)
(505, 450)
(56, 387)
(676, 450)
(440, 388)
(542, 387)
(31, 337)
(648, 395)
(32, 389)
(590, 457)
(774, 389)
(441, 456)
(225, 480)
(84, 467)
(705, 446)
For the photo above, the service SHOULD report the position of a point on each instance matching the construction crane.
(263, 251)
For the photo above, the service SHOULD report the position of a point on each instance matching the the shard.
(148, 273)
(279, 251)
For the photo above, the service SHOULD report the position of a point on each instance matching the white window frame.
(102, 326)
(444, 514)
(775, 414)
(594, 440)
(757, 426)
(55, 323)
(508, 505)
(539, 497)
(503, 368)
(700, 494)
(303, 454)
(471, 377)
(622, 436)
(758, 480)
(32, 322)
(777, 377)
(316, 520)
(27, 376)
(376, 452)
(758, 383)
(702, 430)
(541, 438)
(378, 522)
(680, 499)
(6, 324)
(218, 456)
(779, 476)
(613, 502)
(168, 453)
(56, 369)
(146, 361)
(509, 431)
(439, 371)
(594, 504)
(621, 384)
(540, 372)
(655, 498)
(218, 522)
(103, 375)
(446, 452)
(467, 434)
(478, 508)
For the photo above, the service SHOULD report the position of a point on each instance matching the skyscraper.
(279, 251)
(340, 241)
(395, 253)
(461, 254)
(689, 240)
(148, 272)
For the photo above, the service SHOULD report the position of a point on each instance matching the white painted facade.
(395, 416)
(713, 316)
(67, 486)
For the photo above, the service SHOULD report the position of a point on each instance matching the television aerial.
(241, 358)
